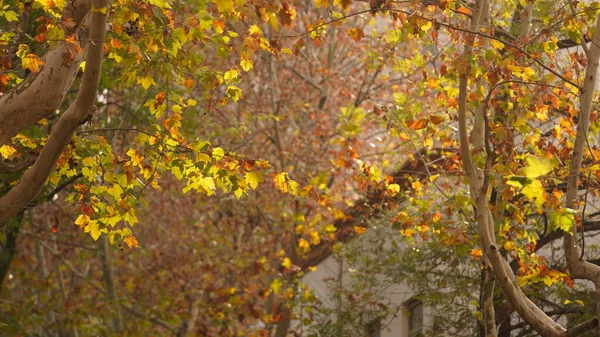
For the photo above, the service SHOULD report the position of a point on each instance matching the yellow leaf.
(255, 30)
(231, 75)
(285, 184)
(146, 82)
(537, 167)
(276, 285)
(246, 64)
(82, 220)
(393, 189)
(535, 190)
(160, 3)
(224, 5)
(7, 151)
(510, 245)
(330, 228)
(286, 262)
(321, 3)
(208, 184)
(94, 229)
(253, 179)
(32, 62)
(497, 44)
(218, 153)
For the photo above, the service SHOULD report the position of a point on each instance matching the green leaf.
(562, 219)
(11, 16)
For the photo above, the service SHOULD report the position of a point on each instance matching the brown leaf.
(286, 14)
(436, 119)
(356, 34)
(298, 45)
(417, 124)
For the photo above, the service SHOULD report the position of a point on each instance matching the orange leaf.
(131, 241)
(359, 230)
(476, 253)
(464, 10)
(159, 99)
(189, 83)
(417, 124)
(32, 62)
(219, 23)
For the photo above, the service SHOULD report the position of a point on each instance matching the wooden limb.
(108, 276)
(579, 267)
(582, 328)
(465, 150)
(489, 314)
(16, 166)
(41, 94)
(526, 18)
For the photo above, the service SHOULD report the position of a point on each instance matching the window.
(415, 318)
(373, 328)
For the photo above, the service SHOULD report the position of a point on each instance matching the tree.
(508, 86)
(193, 241)
(41, 151)
(489, 67)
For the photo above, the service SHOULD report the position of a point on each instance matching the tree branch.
(41, 94)
(34, 178)
(578, 267)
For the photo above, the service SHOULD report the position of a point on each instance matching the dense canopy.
(176, 167)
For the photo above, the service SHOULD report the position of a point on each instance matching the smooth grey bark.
(578, 267)
(41, 94)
